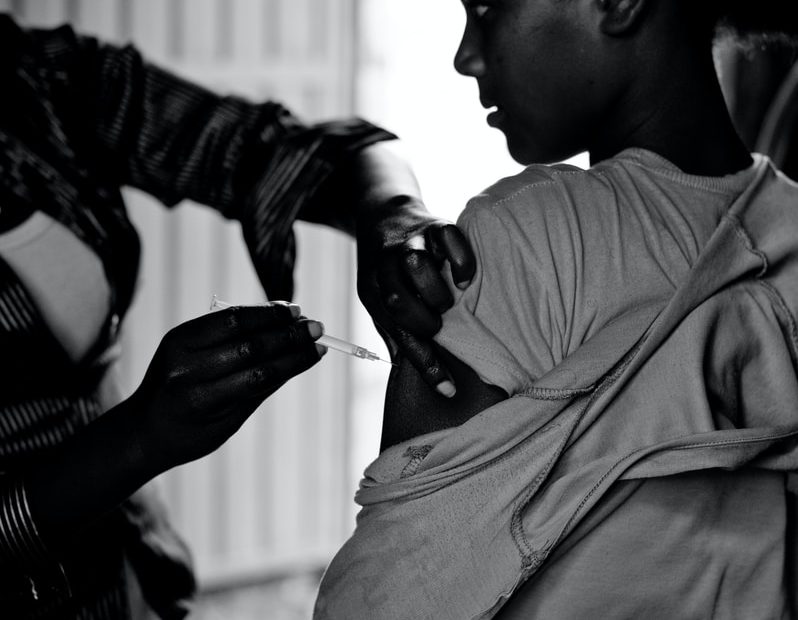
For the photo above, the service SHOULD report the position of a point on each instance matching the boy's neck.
(677, 110)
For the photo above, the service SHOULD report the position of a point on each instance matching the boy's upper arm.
(413, 408)
(508, 324)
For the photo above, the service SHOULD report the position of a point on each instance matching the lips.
(496, 118)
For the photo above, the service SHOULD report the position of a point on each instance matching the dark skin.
(671, 102)
(412, 409)
(642, 79)
(401, 249)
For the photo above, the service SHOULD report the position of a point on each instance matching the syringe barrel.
(336, 343)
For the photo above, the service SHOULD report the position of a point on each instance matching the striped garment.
(79, 119)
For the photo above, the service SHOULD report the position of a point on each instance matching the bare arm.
(413, 408)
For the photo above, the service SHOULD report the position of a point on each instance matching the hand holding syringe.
(331, 342)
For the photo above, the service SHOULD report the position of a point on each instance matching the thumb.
(422, 355)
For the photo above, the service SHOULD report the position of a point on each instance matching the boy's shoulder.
(530, 178)
(537, 194)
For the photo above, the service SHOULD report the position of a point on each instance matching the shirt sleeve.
(253, 162)
(510, 324)
(20, 543)
(31, 578)
(256, 163)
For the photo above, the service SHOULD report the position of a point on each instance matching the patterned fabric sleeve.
(175, 140)
(256, 163)
(33, 584)
(19, 541)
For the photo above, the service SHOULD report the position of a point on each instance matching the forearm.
(383, 182)
(87, 476)
(374, 183)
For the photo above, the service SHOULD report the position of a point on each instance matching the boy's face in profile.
(540, 63)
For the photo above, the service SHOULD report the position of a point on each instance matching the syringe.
(331, 342)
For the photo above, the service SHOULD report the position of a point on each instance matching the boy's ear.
(620, 17)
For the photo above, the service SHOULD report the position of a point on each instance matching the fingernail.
(321, 350)
(315, 329)
(463, 284)
(446, 388)
(295, 310)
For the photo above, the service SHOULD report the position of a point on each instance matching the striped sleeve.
(257, 163)
(254, 162)
(33, 583)
(20, 543)
(300, 166)
(177, 140)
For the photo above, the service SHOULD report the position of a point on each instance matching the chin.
(526, 152)
(518, 151)
(525, 155)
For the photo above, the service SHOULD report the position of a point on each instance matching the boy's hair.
(759, 21)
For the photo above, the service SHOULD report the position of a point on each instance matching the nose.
(468, 60)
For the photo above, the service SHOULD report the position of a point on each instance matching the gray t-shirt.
(563, 252)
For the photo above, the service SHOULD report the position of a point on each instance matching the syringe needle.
(218, 304)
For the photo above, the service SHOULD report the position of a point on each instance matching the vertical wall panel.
(319, 30)
(249, 32)
(200, 33)
(274, 36)
(296, 22)
(224, 14)
(45, 12)
(99, 16)
(176, 33)
(196, 234)
(150, 27)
